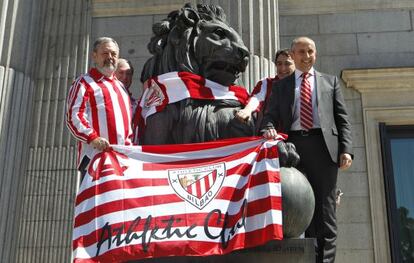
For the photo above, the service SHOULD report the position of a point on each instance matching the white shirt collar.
(298, 73)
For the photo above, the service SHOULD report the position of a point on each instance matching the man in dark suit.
(309, 107)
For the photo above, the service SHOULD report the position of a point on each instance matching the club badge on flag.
(198, 185)
(154, 95)
(199, 199)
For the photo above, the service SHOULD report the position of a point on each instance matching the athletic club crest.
(198, 185)
(154, 95)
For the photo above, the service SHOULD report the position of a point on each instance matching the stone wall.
(255, 21)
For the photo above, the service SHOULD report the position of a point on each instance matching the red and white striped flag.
(178, 200)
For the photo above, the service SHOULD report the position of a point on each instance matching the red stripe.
(193, 248)
(198, 188)
(190, 147)
(118, 184)
(69, 120)
(241, 93)
(235, 195)
(186, 220)
(207, 180)
(110, 114)
(267, 153)
(196, 86)
(94, 110)
(125, 110)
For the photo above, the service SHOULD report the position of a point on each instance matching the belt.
(306, 133)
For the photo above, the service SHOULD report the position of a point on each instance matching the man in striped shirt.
(98, 107)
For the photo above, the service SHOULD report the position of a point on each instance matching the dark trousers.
(322, 173)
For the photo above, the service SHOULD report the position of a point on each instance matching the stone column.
(16, 89)
(44, 45)
(50, 183)
(257, 21)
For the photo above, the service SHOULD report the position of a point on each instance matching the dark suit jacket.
(333, 117)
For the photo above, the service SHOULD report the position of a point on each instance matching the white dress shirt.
(296, 105)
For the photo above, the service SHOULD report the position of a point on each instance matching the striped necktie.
(306, 118)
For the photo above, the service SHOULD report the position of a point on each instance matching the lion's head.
(197, 40)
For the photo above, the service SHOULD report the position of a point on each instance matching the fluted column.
(257, 22)
(40, 58)
(16, 89)
(50, 183)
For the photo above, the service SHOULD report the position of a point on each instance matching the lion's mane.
(173, 41)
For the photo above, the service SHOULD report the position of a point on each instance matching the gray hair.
(102, 40)
(302, 40)
(126, 61)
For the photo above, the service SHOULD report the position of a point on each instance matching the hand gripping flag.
(178, 200)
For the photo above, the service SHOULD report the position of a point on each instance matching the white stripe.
(219, 91)
(210, 179)
(259, 97)
(262, 94)
(74, 118)
(189, 155)
(100, 104)
(194, 189)
(116, 108)
(203, 186)
(251, 224)
(176, 88)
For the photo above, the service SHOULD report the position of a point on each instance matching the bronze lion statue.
(199, 40)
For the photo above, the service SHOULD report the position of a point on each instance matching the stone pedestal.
(287, 251)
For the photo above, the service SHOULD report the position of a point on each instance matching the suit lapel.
(319, 86)
(289, 100)
(290, 88)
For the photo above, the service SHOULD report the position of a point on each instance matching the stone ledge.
(375, 80)
(293, 250)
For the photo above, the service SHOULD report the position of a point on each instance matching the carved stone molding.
(308, 7)
(377, 80)
(106, 8)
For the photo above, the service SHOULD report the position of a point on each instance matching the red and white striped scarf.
(176, 86)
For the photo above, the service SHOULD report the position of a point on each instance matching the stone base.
(295, 250)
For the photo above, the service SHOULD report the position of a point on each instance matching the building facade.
(45, 44)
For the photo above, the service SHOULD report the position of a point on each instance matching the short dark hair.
(284, 52)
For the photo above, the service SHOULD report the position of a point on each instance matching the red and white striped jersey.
(261, 93)
(98, 106)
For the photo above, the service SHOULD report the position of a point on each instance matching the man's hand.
(270, 133)
(100, 144)
(345, 161)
